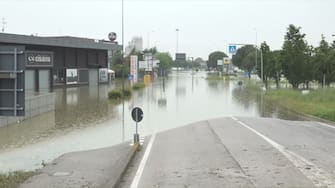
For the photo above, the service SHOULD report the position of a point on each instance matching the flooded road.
(85, 119)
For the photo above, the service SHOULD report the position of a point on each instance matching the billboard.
(71, 76)
(134, 67)
(180, 56)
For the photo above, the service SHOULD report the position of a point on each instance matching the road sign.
(219, 62)
(137, 114)
(130, 77)
(232, 49)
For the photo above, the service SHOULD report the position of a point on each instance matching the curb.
(131, 155)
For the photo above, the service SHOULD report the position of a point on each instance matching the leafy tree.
(297, 66)
(245, 58)
(323, 63)
(214, 57)
(152, 50)
(118, 66)
(165, 62)
(277, 66)
(267, 63)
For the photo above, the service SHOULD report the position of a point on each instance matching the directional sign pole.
(137, 115)
(136, 136)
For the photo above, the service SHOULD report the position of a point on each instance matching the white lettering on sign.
(39, 58)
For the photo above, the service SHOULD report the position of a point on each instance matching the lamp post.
(123, 66)
(177, 39)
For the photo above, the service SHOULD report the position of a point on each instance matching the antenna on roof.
(3, 24)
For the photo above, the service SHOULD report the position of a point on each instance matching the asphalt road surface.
(237, 152)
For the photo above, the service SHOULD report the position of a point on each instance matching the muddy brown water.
(85, 119)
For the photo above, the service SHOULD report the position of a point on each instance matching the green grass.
(14, 179)
(319, 103)
(138, 86)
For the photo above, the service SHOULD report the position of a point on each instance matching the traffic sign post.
(137, 115)
(232, 49)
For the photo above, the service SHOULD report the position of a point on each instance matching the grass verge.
(14, 179)
(319, 103)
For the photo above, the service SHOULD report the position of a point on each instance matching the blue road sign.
(130, 77)
(232, 49)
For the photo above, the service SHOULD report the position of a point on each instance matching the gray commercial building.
(61, 61)
(31, 66)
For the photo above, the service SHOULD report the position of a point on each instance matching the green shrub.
(127, 92)
(138, 86)
(115, 94)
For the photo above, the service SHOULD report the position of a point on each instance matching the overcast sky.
(205, 25)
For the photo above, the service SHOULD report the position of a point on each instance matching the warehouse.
(60, 61)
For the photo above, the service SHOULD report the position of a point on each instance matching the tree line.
(298, 61)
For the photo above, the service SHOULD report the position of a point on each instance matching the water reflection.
(80, 106)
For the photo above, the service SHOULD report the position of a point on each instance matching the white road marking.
(140, 169)
(319, 177)
(326, 125)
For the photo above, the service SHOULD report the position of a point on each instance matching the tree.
(213, 58)
(165, 62)
(152, 50)
(296, 57)
(267, 64)
(245, 58)
(117, 64)
(323, 63)
(277, 66)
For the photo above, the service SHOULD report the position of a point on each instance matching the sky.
(204, 25)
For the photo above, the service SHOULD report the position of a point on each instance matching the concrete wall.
(35, 105)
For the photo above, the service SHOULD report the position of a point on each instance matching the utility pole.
(3, 24)
(123, 65)
(177, 39)
(256, 52)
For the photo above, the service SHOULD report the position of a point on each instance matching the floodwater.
(85, 119)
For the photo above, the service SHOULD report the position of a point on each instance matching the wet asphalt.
(238, 152)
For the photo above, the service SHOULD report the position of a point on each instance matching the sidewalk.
(95, 168)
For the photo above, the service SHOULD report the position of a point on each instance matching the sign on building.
(39, 59)
(103, 75)
(219, 62)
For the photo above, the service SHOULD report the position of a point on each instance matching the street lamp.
(177, 38)
(123, 66)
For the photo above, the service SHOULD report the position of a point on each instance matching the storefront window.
(58, 76)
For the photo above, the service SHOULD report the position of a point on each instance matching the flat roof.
(59, 41)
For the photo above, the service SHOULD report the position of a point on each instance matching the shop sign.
(103, 75)
(39, 59)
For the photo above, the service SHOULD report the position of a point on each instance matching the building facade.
(61, 61)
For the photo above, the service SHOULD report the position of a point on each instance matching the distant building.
(136, 43)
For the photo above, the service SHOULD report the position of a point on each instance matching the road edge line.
(144, 160)
(317, 176)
